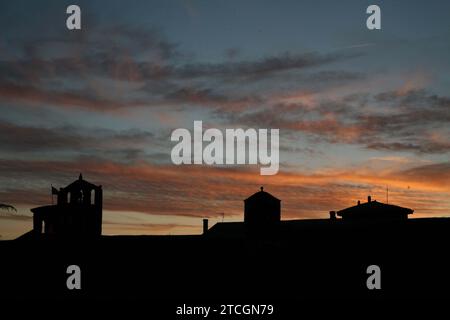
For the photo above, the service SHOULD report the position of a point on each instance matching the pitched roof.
(373, 207)
(80, 184)
(261, 195)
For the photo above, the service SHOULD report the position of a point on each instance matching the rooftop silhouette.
(374, 210)
(282, 258)
(77, 212)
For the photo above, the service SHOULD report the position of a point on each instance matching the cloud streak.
(208, 191)
(417, 121)
(124, 67)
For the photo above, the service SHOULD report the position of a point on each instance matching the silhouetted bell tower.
(78, 211)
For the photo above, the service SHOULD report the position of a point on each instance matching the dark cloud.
(126, 145)
(211, 99)
(33, 95)
(414, 121)
(417, 146)
(436, 173)
(123, 66)
(116, 52)
(24, 139)
(325, 77)
(158, 75)
(260, 68)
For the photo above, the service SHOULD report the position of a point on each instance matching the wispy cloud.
(169, 190)
(416, 121)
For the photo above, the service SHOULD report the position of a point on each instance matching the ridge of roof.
(262, 194)
(80, 182)
(373, 205)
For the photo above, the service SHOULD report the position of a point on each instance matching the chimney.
(369, 199)
(205, 226)
(332, 215)
(359, 202)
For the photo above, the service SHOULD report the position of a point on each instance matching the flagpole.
(52, 192)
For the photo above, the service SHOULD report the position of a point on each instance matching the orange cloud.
(158, 199)
(210, 191)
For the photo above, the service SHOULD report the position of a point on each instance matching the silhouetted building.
(262, 209)
(374, 210)
(78, 211)
(262, 216)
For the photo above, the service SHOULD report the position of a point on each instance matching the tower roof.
(261, 195)
(80, 184)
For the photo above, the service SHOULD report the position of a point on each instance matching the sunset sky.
(358, 110)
